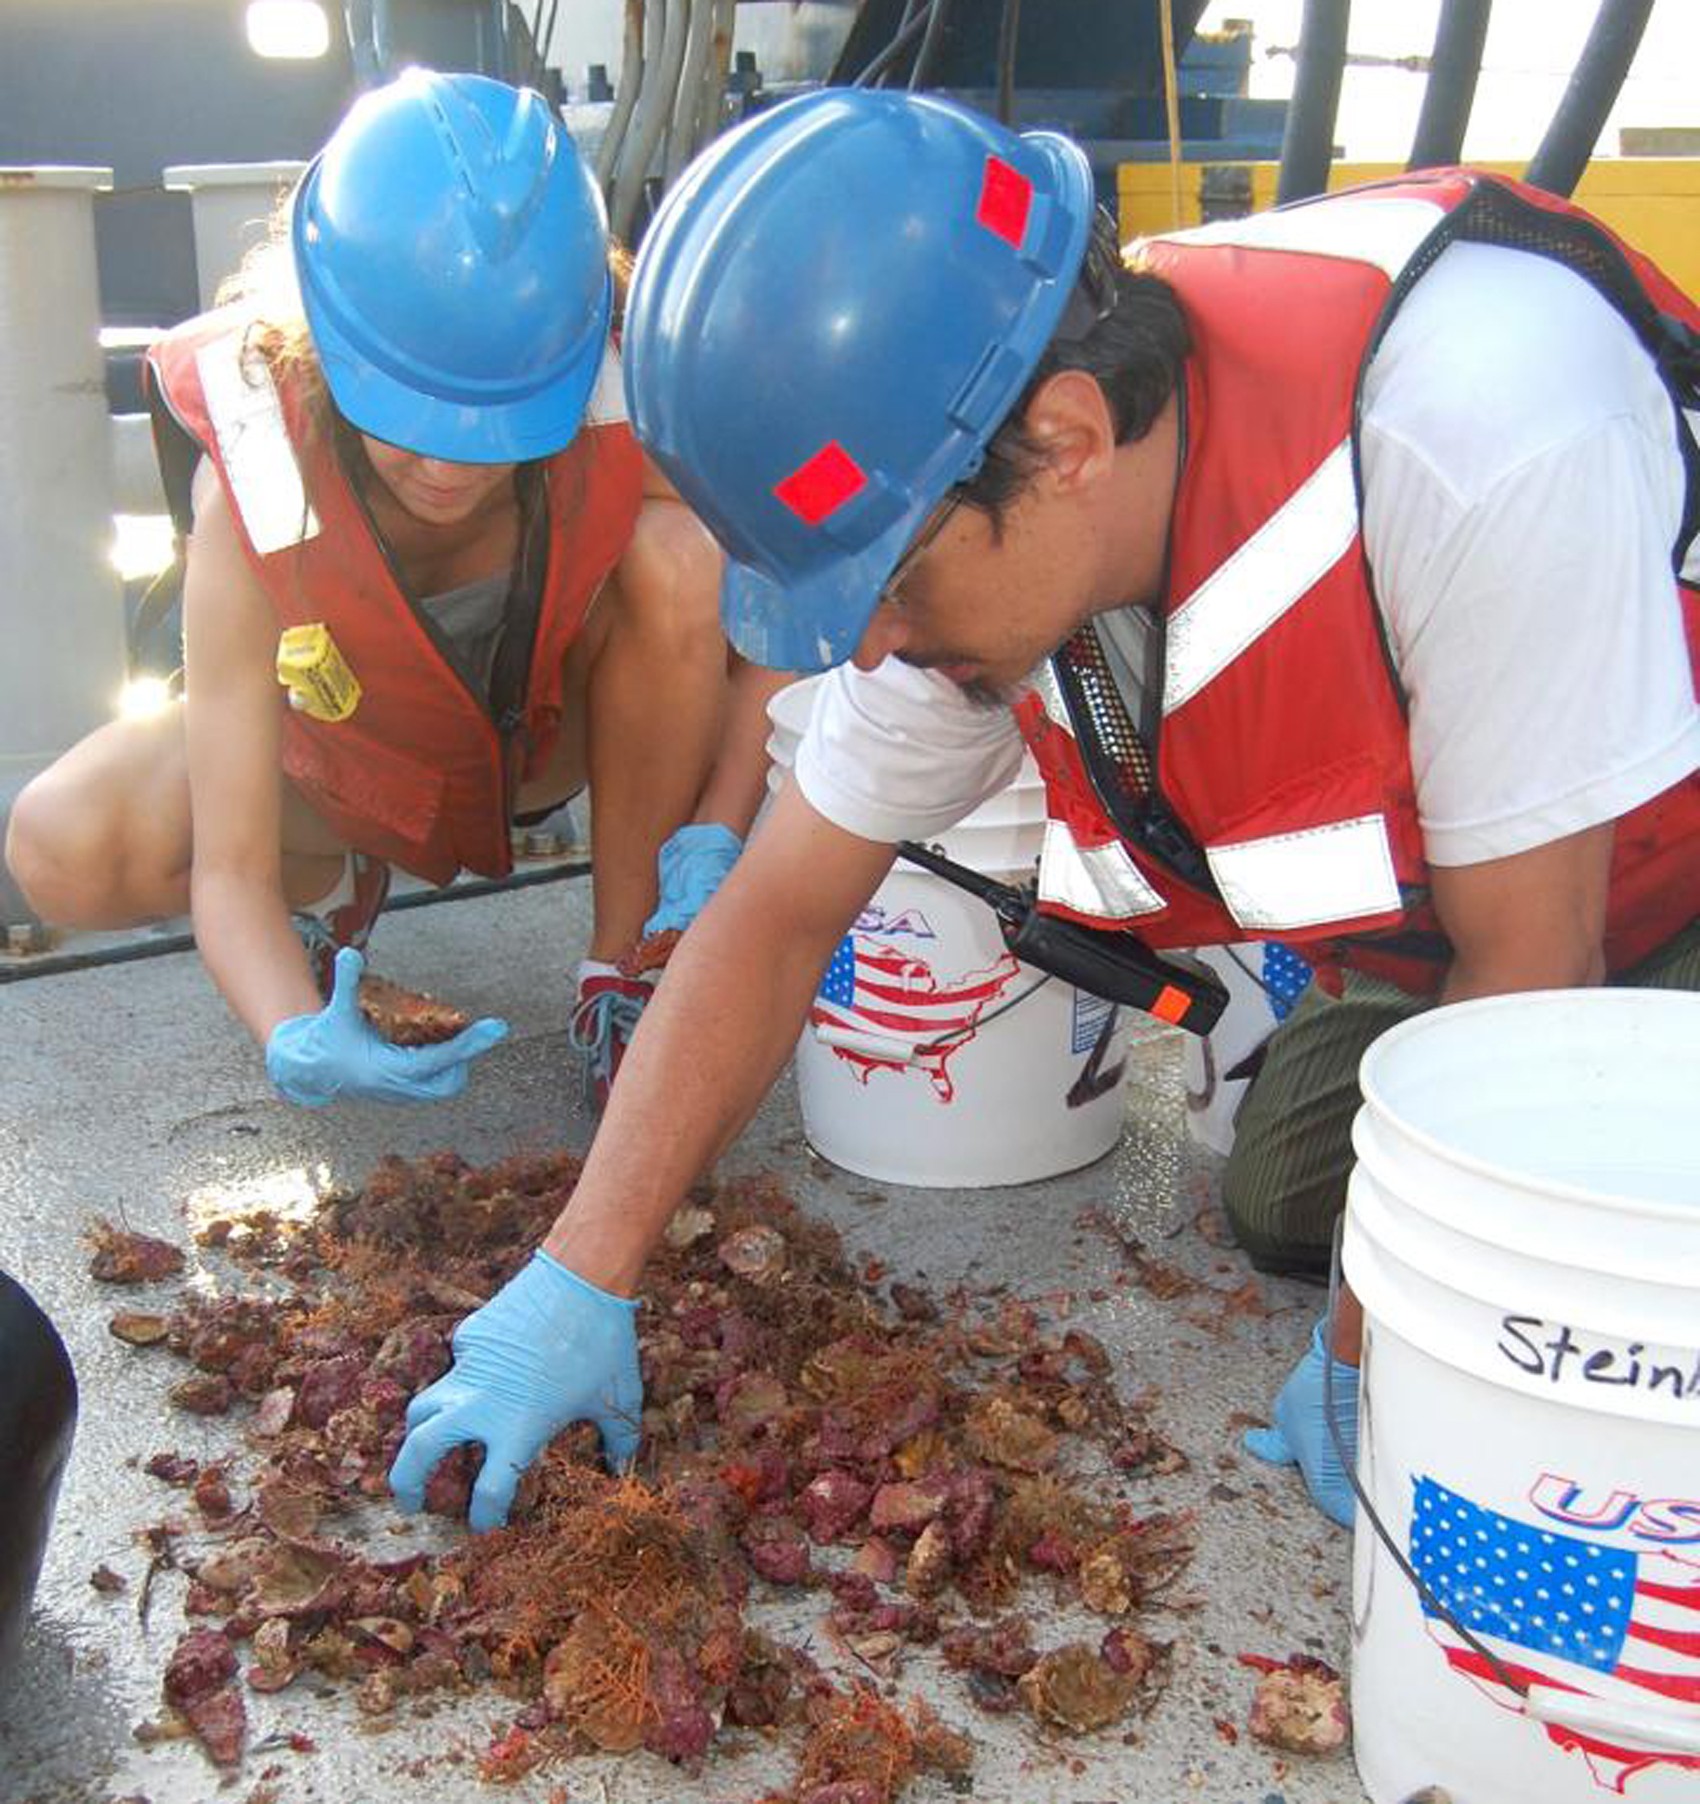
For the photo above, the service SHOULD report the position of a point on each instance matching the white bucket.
(934, 1057)
(1523, 1230)
(1212, 1099)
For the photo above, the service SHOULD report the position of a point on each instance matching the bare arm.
(233, 719)
(738, 780)
(1535, 921)
(717, 1034)
(1530, 922)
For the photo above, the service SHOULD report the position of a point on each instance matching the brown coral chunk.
(1301, 1712)
(1076, 1690)
(408, 1017)
(121, 1257)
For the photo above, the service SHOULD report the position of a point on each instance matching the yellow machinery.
(1652, 202)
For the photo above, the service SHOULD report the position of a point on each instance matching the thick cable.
(534, 32)
(1009, 29)
(687, 97)
(1450, 91)
(655, 108)
(548, 43)
(938, 15)
(631, 83)
(905, 36)
(1594, 86)
(1307, 144)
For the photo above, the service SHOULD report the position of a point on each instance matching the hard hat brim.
(372, 402)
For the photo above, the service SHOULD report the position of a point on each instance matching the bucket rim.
(1389, 1043)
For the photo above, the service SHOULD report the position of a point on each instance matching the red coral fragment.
(681, 1727)
(202, 1661)
(777, 1551)
(833, 1504)
(121, 1257)
(204, 1394)
(906, 1508)
(326, 1387)
(221, 1722)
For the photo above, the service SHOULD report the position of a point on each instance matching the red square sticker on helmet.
(1006, 198)
(821, 484)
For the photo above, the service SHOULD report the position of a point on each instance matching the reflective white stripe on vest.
(253, 442)
(607, 403)
(1334, 873)
(1381, 229)
(1102, 882)
(1280, 563)
(1044, 684)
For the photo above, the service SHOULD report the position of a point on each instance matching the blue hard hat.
(833, 312)
(452, 254)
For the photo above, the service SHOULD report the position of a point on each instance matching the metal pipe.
(162, 945)
(938, 15)
(1591, 94)
(631, 82)
(1307, 145)
(1451, 88)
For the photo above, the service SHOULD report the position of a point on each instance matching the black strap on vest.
(1493, 214)
(510, 674)
(1120, 762)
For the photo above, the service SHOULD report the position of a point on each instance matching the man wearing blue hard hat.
(1330, 562)
(429, 577)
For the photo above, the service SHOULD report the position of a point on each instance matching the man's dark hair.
(1123, 327)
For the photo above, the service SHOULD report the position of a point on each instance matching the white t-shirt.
(1523, 489)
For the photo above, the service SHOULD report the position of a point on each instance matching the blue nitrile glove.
(692, 865)
(547, 1349)
(314, 1059)
(1300, 1436)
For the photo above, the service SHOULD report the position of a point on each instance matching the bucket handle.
(1349, 1466)
(1663, 1731)
(1645, 1725)
(898, 1051)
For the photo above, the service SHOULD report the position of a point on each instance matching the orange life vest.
(421, 773)
(1284, 805)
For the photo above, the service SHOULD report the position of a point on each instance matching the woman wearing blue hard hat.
(429, 576)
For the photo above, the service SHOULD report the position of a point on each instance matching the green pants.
(1286, 1178)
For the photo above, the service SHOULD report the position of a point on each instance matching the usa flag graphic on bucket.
(1605, 1623)
(873, 992)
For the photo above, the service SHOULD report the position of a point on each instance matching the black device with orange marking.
(1106, 962)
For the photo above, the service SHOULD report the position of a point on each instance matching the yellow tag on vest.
(312, 668)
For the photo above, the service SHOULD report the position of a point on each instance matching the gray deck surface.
(128, 1091)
